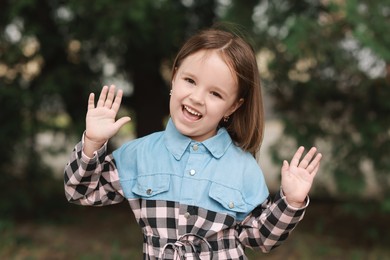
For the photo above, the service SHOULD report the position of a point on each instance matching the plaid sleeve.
(92, 181)
(270, 224)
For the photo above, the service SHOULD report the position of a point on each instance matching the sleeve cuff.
(283, 197)
(96, 154)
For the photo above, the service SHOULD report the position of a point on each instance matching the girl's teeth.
(192, 111)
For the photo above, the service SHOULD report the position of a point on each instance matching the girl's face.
(204, 90)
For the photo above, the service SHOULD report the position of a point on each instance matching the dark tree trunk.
(151, 99)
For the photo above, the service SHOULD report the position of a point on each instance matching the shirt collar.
(177, 143)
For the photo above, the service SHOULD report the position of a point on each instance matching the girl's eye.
(216, 94)
(189, 80)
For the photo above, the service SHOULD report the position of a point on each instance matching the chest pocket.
(230, 199)
(151, 185)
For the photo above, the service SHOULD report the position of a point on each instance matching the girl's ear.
(234, 107)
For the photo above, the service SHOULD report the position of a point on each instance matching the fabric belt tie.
(183, 246)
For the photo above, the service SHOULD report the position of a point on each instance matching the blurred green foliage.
(328, 76)
(324, 64)
(54, 53)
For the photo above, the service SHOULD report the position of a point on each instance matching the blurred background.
(325, 69)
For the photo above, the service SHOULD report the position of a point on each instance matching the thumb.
(285, 166)
(121, 122)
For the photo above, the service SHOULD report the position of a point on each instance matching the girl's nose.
(198, 96)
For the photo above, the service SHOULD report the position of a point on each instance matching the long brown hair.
(246, 124)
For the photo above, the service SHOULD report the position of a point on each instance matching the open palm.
(298, 176)
(100, 121)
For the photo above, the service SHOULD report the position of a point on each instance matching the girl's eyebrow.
(188, 74)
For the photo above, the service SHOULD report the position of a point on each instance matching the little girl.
(196, 188)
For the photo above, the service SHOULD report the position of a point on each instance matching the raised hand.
(100, 120)
(298, 176)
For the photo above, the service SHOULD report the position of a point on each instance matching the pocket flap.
(231, 199)
(151, 185)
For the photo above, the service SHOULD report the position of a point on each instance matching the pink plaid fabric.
(176, 231)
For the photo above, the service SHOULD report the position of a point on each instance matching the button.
(231, 205)
(192, 172)
(187, 215)
(195, 147)
(149, 191)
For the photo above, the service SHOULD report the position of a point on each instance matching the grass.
(327, 232)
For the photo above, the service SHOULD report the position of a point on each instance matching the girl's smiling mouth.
(191, 113)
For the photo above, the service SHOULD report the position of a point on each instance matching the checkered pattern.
(82, 178)
(175, 231)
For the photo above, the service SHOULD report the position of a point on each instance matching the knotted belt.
(183, 246)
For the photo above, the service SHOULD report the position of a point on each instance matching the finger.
(314, 164)
(314, 172)
(297, 156)
(117, 101)
(102, 96)
(306, 160)
(91, 101)
(110, 97)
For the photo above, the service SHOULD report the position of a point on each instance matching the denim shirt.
(214, 174)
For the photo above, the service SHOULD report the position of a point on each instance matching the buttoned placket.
(191, 170)
(193, 150)
(185, 219)
(193, 163)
